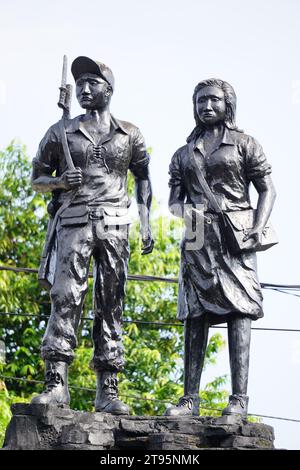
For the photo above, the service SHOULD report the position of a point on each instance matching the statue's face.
(92, 91)
(210, 105)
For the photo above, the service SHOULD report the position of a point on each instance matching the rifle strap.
(72, 195)
(65, 145)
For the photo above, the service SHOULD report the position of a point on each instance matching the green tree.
(153, 372)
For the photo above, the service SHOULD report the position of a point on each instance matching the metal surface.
(102, 149)
(216, 286)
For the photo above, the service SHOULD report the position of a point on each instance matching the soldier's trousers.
(110, 251)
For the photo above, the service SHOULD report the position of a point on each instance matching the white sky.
(159, 50)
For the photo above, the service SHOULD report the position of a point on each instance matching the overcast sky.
(159, 50)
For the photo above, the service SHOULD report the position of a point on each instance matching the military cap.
(84, 64)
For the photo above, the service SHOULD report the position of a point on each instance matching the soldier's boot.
(107, 399)
(238, 405)
(195, 343)
(56, 382)
(186, 406)
(239, 335)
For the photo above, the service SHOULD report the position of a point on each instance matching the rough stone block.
(137, 427)
(22, 434)
(243, 442)
(73, 435)
(258, 430)
(170, 441)
(131, 442)
(229, 419)
(51, 427)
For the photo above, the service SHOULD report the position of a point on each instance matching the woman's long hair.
(230, 101)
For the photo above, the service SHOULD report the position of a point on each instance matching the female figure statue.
(217, 286)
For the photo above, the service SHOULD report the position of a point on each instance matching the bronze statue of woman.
(215, 285)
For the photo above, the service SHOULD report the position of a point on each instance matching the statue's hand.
(256, 234)
(72, 178)
(148, 242)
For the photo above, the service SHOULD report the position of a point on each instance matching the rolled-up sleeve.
(257, 165)
(140, 158)
(45, 161)
(175, 171)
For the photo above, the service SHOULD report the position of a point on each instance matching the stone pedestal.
(51, 427)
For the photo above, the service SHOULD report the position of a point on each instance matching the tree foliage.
(153, 373)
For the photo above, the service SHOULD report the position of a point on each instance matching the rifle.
(46, 270)
(64, 102)
(65, 91)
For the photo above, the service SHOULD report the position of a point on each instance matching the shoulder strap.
(204, 185)
(69, 199)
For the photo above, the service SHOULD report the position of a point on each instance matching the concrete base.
(51, 427)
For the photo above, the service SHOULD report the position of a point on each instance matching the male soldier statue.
(84, 162)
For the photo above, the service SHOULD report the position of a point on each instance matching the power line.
(154, 323)
(144, 278)
(131, 277)
(36, 315)
(23, 379)
(284, 286)
(85, 389)
(30, 315)
(283, 291)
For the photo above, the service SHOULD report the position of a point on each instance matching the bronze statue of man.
(217, 286)
(84, 163)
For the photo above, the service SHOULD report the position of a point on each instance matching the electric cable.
(23, 379)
